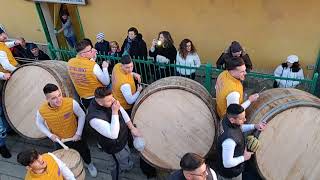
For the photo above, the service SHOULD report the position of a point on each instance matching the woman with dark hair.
(163, 52)
(67, 29)
(289, 69)
(187, 56)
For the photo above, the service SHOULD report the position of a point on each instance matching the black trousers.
(191, 76)
(81, 146)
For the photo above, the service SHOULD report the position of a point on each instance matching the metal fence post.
(314, 83)
(208, 77)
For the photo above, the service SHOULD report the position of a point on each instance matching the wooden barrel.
(290, 144)
(22, 94)
(73, 161)
(176, 116)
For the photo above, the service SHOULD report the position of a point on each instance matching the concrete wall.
(20, 18)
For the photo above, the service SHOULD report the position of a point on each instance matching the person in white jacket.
(187, 56)
(289, 69)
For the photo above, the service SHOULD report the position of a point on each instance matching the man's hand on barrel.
(260, 126)
(137, 77)
(135, 132)
(76, 137)
(253, 97)
(247, 154)
(54, 137)
(6, 76)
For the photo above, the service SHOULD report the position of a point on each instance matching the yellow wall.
(269, 29)
(20, 18)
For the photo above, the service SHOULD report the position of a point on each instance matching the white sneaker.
(92, 170)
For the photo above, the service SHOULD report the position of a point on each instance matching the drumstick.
(62, 144)
(261, 90)
(66, 140)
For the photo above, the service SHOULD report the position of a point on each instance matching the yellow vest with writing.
(12, 60)
(61, 121)
(52, 172)
(224, 86)
(81, 73)
(119, 78)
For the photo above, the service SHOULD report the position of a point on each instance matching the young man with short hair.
(62, 118)
(44, 167)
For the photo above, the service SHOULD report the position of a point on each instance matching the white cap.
(292, 59)
(138, 143)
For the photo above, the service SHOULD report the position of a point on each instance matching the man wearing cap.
(62, 118)
(102, 46)
(37, 53)
(232, 152)
(234, 50)
(107, 117)
(85, 73)
(229, 89)
(7, 62)
(290, 69)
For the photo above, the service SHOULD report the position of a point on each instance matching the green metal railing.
(206, 74)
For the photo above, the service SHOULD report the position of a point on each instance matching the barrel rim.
(190, 90)
(269, 117)
(38, 64)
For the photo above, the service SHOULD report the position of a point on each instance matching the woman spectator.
(163, 52)
(289, 69)
(187, 56)
(67, 29)
(114, 52)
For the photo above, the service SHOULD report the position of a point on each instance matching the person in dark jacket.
(102, 46)
(231, 148)
(136, 47)
(193, 167)
(234, 50)
(163, 52)
(37, 53)
(22, 50)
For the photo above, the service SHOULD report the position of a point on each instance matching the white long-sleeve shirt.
(4, 61)
(77, 110)
(127, 94)
(192, 60)
(234, 98)
(66, 172)
(228, 147)
(109, 130)
(287, 73)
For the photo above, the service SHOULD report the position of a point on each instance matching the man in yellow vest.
(44, 167)
(62, 118)
(7, 62)
(85, 73)
(123, 85)
(229, 89)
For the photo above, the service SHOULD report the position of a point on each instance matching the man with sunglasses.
(232, 152)
(193, 167)
(85, 73)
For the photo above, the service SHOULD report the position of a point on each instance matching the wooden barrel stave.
(22, 94)
(290, 113)
(166, 87)
(73, 161)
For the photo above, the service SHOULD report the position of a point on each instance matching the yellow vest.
(61, 121)
(81, 73)
(224, 86)
(52, 172)
(12, 60)
(118, 79)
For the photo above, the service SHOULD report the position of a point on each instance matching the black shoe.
(4, 151)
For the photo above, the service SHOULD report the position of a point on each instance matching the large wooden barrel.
(176, 116)
(22, 94)
(73, 161)
(290, 144)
